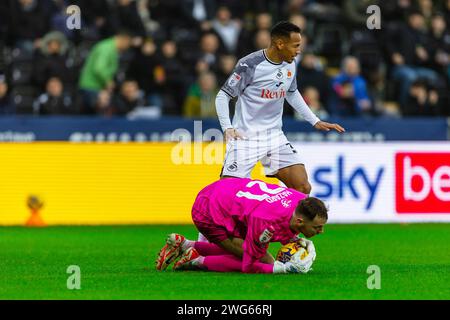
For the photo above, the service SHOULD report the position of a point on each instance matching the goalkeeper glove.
(309, 246)
(292, 266)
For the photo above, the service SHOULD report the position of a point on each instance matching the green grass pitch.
(117, 262)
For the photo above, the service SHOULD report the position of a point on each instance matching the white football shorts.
(275, 153)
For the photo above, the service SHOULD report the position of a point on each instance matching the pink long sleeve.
(251, 265)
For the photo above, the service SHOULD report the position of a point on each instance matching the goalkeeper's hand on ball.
(295, 265)
(309, 246)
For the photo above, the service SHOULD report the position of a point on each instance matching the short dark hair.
(284, 29)
(414, 11)
(124, 32)
(312, 207)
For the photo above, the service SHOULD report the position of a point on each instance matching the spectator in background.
(152, 26)
(318, 10)
(312, 98)
(210, 49)
(246, 40)
(28, 24)
(439, 47)
(198, 13)
(103, 105)
(421, 101)
(51, 60)
(146, 68)
(305, 45)
(238, 8)
(226, 66)
(417, 49)
(54, 101)
(227, 29)
(173, 84)
(294, 6)
(351, 98)
(307, 28)
(395, 10)
(355, 12)
(200, 100)
(263, 21)
(128, 17)
(100, 68)
(97, 19)
(409, 54)
(58, 19)
(310, 73)
(6, 104)
(390, 109)
(128, 98)
(300, 20)
(261, 40)
(427, 10)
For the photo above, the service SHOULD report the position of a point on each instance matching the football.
(288, 250)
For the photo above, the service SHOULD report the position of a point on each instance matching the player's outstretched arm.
(325, 126)
(296, 100)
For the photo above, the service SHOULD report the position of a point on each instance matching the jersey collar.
(268, 60)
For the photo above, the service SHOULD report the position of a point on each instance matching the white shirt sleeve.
(297, 102)
(223, 110)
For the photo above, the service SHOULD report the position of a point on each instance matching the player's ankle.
(198, 262)
(187, 244)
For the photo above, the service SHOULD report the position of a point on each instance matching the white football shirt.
(261, 86)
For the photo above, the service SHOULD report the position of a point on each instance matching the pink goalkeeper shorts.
(203, 221)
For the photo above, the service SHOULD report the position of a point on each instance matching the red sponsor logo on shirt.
(422, 182)
(268, 94)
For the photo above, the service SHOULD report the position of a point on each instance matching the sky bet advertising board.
(387, 182)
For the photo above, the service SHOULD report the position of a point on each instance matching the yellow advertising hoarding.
(132, 183)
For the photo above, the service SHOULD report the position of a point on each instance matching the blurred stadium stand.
(334, 30)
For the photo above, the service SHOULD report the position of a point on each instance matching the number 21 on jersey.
(263, 193)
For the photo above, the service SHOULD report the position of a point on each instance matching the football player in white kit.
(262, 81)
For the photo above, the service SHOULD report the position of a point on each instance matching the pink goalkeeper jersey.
(252, 210)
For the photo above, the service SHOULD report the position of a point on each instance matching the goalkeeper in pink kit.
(240, 217)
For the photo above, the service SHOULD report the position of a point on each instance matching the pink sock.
(209, 249)
(225, 263)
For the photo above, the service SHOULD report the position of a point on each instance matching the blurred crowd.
(170, 57)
